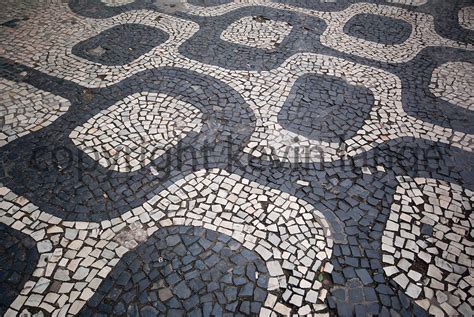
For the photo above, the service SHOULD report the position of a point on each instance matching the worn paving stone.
(218, 157)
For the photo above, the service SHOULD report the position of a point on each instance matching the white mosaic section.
(130, 134)
(454, 82)
(436, 269)
(466, 17)
(116, 3)
(24, 109)
(288, 233)
(266, 93)
(46, 41)
(223, 8)
(257, 32)
(265, 99)
(423, 34)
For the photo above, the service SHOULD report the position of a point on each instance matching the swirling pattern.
(254, 157)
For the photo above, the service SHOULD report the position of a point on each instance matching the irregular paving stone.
(120, 141)
(185, 288)
(19, 114)
(452, 82)
(447, 209)
(120, 44)
(18, 259)
(466, 17)
(325, 108)
(379, 29)
(257, 31)
(355, 189)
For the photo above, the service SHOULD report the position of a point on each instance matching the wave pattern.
(246, 157)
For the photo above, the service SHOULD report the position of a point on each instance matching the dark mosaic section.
(357, 205)
(120, 44)
(98, 9)
(318, 5)
(183, 271)
(206, 45)
(208, 3)
(418, 101)
(446, 19)
(325, 108)
(379, 29)
(445, 13)
(359, 284)
(18, 258)
(48, 169)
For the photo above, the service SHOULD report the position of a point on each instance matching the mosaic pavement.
(237, 158)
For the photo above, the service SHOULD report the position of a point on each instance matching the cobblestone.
(219, 157)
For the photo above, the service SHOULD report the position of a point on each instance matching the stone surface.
(18, 258)
(24, 108)
(120, 44)
(162, 278)
(466, 17)
(121, 141)
(453, 83)
(379, 29)
(218, 157)
(447, 210)
(257, 31)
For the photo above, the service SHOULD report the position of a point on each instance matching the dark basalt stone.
(120, 44)
(325, 108)
(379, 29)
(208, 3)
(158, 278)
(18, 259)
(13, 23)
(356, 205)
